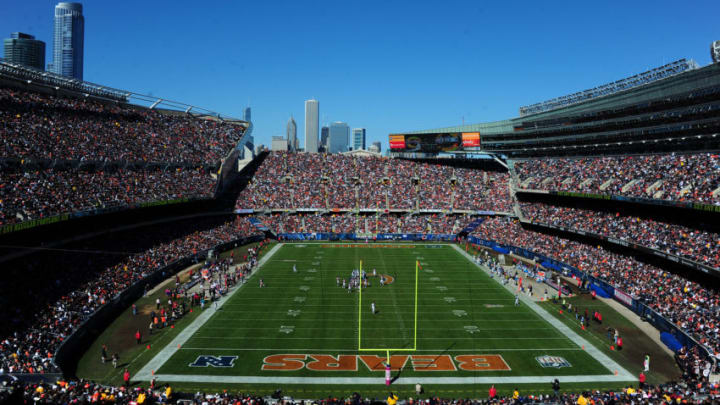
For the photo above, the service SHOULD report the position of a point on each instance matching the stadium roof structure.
(31, 76)
(662, 72)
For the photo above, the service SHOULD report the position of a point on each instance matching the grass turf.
(461, 311)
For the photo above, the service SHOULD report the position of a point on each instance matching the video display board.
(433, 143)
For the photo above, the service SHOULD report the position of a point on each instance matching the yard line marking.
(350, 338)
(315, 328)
(449, 300)
(225, 379)
(343, 318)
(145, 373)
(354, 351)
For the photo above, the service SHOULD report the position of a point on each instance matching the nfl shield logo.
(214, 361)
(553, 361)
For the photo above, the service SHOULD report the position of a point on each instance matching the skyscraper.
(358, 138)
(68, 40)
(375, 147)
(324, 136)
(339, 137)
(248, 139)
(291, 134)
(24, 49)
(312, 120)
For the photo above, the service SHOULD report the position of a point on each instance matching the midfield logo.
(553, 361)
(214, 361)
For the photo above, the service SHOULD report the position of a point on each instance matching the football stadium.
(568, 255)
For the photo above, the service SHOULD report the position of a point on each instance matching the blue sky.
(388, 66)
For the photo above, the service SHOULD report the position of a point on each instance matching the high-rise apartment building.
(375, 147)
(339, 137)
(291, 134)
(358, 138)
(25, 50)
(312, 120)
(68, 41)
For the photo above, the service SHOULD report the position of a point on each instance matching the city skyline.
(394, 86)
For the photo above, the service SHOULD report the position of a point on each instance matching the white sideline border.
(147, 372)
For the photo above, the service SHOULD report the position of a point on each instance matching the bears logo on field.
(214, 361)
(553, 361)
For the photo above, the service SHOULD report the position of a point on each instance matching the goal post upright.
(388, 350)
(360, 310)
(417, 264)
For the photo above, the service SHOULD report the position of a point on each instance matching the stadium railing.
(642, 310)
(367, 236)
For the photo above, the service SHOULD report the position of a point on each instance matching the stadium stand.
(677, 177)
(289, 181)
(685, 303)
(695, 244)
(33, 333)
(40, 126)
(45, 193)
(62, 155)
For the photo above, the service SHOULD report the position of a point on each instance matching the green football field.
(301, 328)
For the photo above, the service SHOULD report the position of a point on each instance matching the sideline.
(602, 358)
(146, 372)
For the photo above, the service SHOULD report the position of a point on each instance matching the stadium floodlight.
(387, 350)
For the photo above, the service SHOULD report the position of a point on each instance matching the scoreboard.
(435, 142)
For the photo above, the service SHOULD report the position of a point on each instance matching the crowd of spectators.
(303, 180)
(45, 193)
(84, 282)
(85, 392)
(676, 177)
(685, 303)
(351, 223)
(695, 244)
(491, 186)
(34, 125)
(41, 127)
